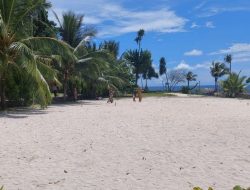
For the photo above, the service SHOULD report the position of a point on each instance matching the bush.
(234, 85)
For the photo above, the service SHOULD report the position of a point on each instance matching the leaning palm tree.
(228, 59)
(26, 54)
(218, 70)
(190, 76)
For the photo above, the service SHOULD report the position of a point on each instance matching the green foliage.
(234, 85)
(218, 70)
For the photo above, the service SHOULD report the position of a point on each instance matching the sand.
(162, 143)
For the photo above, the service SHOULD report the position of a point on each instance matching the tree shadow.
(21, 113)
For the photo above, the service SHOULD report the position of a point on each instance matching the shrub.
(234, 85)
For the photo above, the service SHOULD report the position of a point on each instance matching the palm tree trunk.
(65, 85)
(230, 68)
(146, 87)
(215, 85)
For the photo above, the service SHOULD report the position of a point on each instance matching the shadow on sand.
(24, 112)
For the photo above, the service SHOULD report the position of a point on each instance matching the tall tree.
(228, 59)
(190, 76)
(72, 32)
(163, 71)
(218, 70)
(19, 51)
(139, 38)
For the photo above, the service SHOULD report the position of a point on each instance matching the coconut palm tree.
(22, 52)
(149, 74)
(234, 85)
(139, 61)
(163, 71)
(228, 59)
(111, 46)
(72, 32)
(190, 76)
(218, 70)
(139, 37)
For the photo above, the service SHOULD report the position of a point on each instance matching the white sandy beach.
(161, 143)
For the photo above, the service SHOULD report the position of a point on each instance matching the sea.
(178, 88)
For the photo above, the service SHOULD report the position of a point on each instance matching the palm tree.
(163, 71)
(111, 46)
(190, 76)
(234, 85)
(139, 37)
(218, 70)
(26, 54)
(228, 59)
(139, 61)
(72, 32)
(149, 74)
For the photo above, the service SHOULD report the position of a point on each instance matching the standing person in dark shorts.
(55, 89)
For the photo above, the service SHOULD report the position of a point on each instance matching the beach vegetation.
(218, 70)
(234, 85)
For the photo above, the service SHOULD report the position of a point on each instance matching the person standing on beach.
(139, 92)
(55, 89)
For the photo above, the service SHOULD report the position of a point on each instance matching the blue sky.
(190, 34)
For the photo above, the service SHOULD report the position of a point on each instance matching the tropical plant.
(27, 55)
(148, 74)
(163, 71)
(228, 59)
(139, 37)
(190, 76)
(72, 32)
(248, 80)
(218, 70)
(111, 46)
(234, 85)
(140, 62)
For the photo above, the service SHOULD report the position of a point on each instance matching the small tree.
(190, 76)
(175, 77)
(234, 85)
(228, 59)
(163, 71)
(218, 70)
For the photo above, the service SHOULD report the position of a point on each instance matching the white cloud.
(194, 25)
(210, 24)
(185, 66)
(114, 19)
(239, 51)
(194, 52)
(212, 11)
